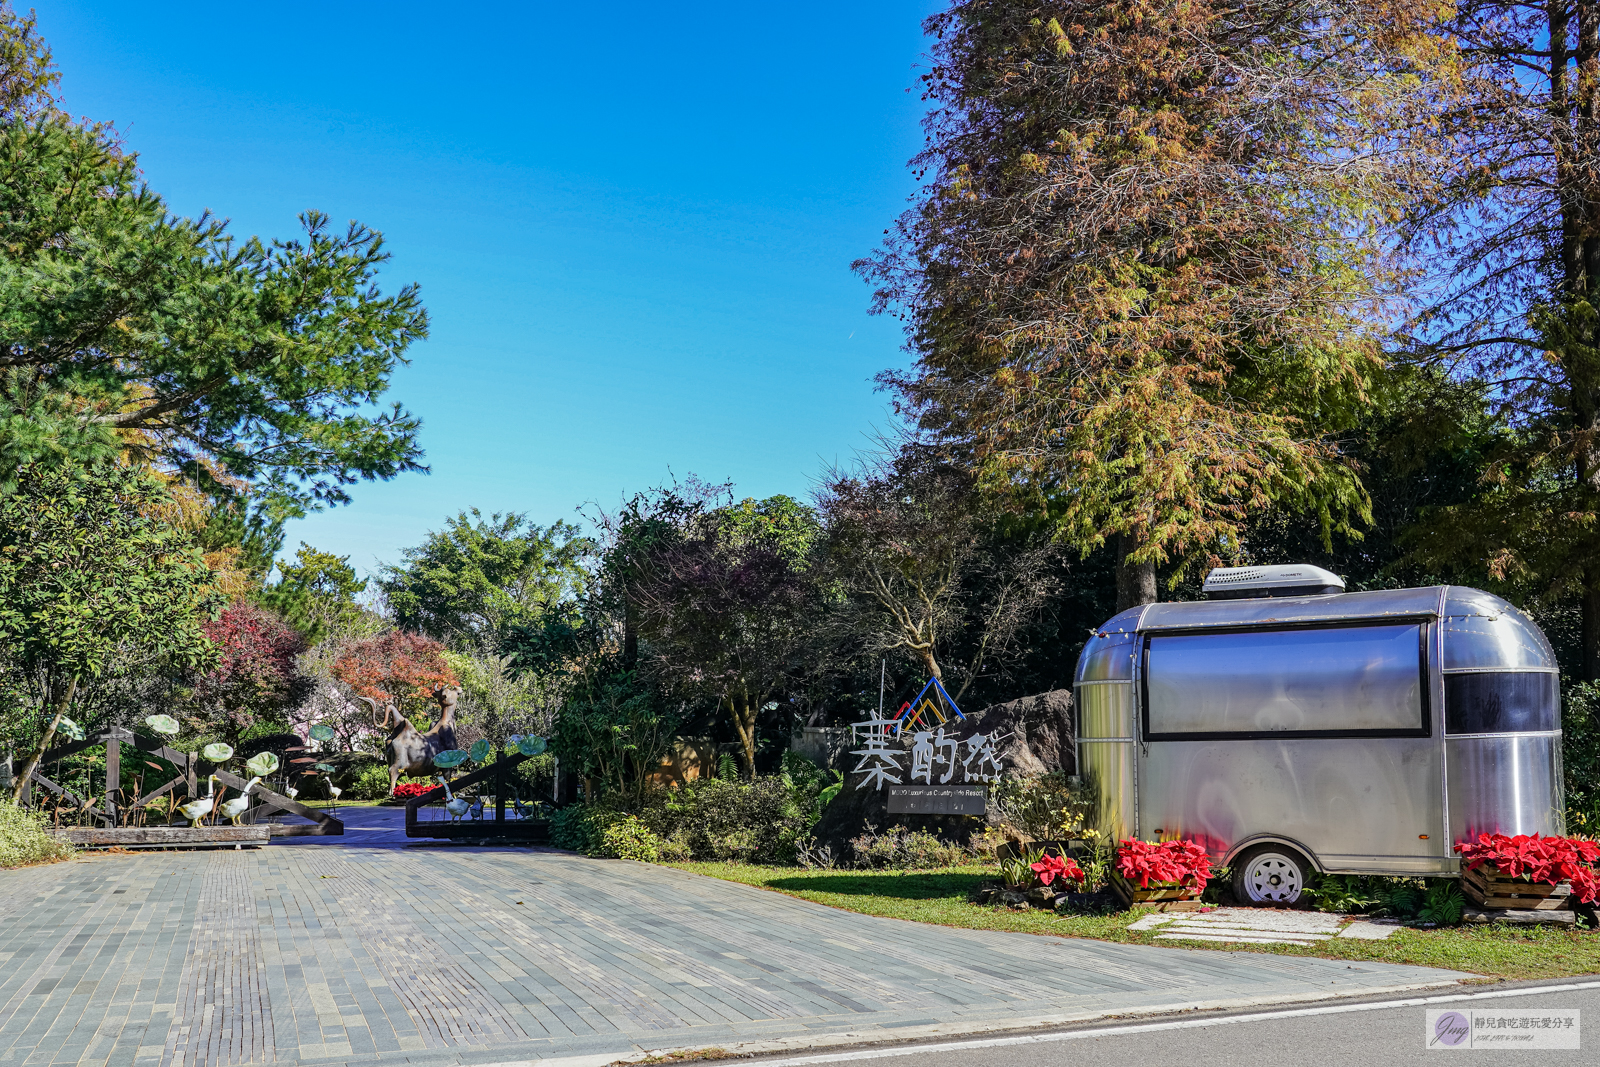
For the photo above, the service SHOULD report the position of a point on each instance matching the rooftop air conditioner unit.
(1293, 579)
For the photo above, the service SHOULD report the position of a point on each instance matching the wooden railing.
(497, 828)
(111, 817)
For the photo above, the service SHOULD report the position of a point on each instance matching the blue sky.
(632, 224)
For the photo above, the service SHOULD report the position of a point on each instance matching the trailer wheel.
(1270, 874)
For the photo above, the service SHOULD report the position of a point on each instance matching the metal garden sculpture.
(408, 750)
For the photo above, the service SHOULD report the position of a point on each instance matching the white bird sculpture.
(292, 792)
(477, 808)
(334, 791)
(456, 806)
(524, 811)
(232, 809)
(198, 809)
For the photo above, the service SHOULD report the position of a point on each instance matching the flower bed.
(1529, 870)
(409, 790)
(1171, 870)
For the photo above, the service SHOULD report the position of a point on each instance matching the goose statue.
(477, 808)
(456, 806)
(198, 809)
(232, 809)
(333, 792)
(524, 811)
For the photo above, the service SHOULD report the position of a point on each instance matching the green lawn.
(940, 897)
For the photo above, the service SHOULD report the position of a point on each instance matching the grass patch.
(940, 897)
(24, 840)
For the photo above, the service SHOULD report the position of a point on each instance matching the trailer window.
(1336, 681)
(1497, 702)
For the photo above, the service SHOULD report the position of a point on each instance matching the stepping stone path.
(1261, 926)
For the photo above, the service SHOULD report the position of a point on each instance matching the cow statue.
(409, 750)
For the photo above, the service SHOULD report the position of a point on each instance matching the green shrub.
(370, 782)
(902, 849)
(1580, 756)
(577, 827)
(1047, 807)
(626, 837)
(24, 838)
(759, 821)
(1341, 893)
(675, 850)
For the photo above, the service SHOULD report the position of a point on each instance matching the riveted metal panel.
(1483, 632)
(1107, 657)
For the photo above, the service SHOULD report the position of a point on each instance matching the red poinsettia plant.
(408, 790)
(1539, 859)
(1049, 868)
(1179, 862)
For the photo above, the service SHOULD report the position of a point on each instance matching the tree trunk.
(630, 635)
(1136, 582)
(1577, 137)
(744, 725)
(59, 706)
(1591, 625)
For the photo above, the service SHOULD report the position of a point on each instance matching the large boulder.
(1037, 729)
(1036, 739)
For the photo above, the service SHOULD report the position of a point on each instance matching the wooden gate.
(112, 817)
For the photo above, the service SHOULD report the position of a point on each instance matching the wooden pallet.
(1158, 891)
(1489, 889)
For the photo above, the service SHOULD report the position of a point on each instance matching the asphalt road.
(1390, 1032)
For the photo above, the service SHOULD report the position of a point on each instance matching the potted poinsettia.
(1050, 867)
(1168, 870)
(1529, 871)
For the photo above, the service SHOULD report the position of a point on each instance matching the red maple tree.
(401, 667)
(256, 679)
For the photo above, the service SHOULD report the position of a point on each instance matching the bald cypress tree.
(1145, 281)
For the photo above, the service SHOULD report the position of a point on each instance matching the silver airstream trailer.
(1290, 727)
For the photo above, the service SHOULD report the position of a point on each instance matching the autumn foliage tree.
(255, 681)
(1144, 280)
(397, 666)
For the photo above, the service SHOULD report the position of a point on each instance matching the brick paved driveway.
(344, 952)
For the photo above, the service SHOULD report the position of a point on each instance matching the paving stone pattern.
(1261, 926)
(335, 953)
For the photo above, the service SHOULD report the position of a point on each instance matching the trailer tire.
(1270, 876)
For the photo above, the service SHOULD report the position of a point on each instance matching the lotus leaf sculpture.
(262, 764)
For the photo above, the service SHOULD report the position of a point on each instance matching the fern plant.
(1443, 903)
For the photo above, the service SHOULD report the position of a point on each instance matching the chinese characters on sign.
(935, 757)
(879, 752)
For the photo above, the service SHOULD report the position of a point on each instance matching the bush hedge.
(24, 838)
